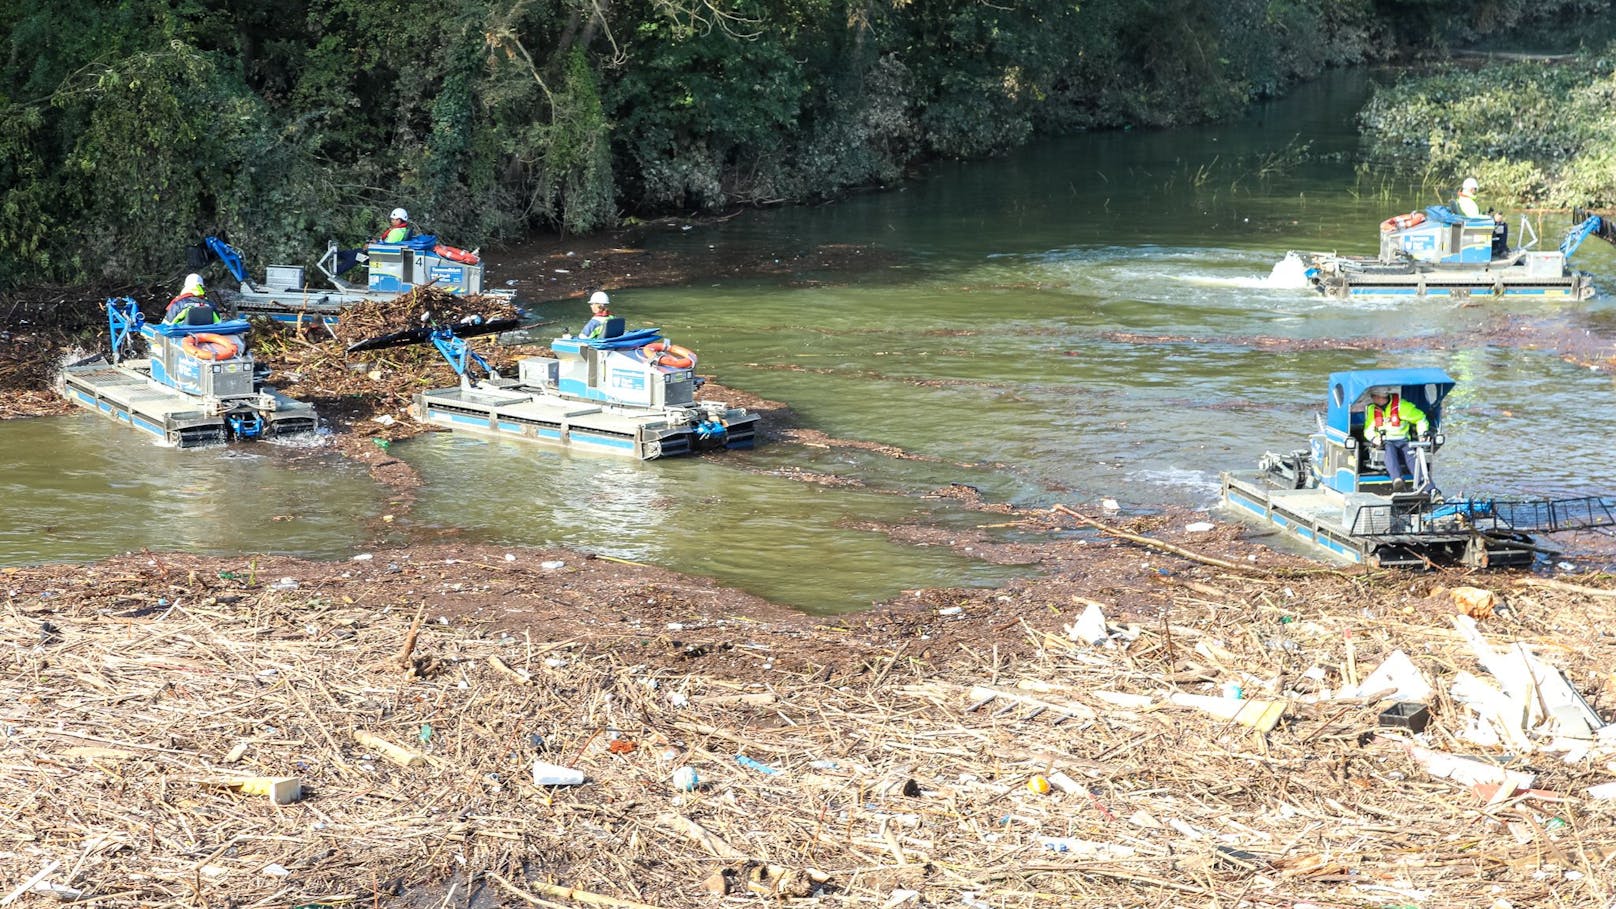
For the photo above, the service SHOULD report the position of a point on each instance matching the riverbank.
(136, 678)
(896, 757)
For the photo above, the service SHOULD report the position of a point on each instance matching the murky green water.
(81, 487)
(1093, 317)
(1089, 318)
(804, 545)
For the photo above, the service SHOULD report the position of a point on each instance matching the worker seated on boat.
(601, 322)
(192, 306)
(1500, 234)
(1466, 204)
(1390, 423)
(398, 230)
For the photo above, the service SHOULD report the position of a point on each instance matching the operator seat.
(613, 329)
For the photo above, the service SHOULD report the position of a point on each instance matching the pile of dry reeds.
(311, 362)
(153, 721)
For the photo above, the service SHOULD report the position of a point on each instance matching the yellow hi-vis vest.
(1392, 421)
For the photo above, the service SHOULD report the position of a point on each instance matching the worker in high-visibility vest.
(1468, 206)
(398, 228)
(600, 313)
(192, 306)
(1390, 422)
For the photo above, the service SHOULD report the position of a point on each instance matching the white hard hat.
(193, 285)
(599, 298)
(1470, 184)
(400, 214)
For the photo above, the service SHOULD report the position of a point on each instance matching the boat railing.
(1434, 518)
(1527, 230)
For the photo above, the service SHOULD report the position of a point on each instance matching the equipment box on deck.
(389, 268)
(283, 277)
(1366, 513)
(538, 372)
(1545, 264)
(231, 378)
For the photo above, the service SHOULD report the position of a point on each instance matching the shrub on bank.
(1532, 134)
(149, 122)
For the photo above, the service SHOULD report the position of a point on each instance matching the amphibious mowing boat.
(394, 269)
(197, 385)
(628, 394)
(1439, 252)
(1336, 495)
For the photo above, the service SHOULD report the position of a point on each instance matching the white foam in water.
(1289, 272)
(1249, 282)
(1196, 481)
(1142, 268)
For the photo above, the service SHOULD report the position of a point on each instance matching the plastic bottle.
(754, 764)
(555, 775)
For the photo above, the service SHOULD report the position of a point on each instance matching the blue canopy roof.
(1441, 214)
(628, 340)
(229, 327)
(1424, 387)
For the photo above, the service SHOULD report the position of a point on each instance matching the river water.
(1089, 318)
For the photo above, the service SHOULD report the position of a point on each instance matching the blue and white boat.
(196, 385)
(1439, 252)
(1336, 497)
(631, 394)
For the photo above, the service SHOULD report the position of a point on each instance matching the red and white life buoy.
(209, 346)
(1403, 222)
(456, 254)
(664, 353)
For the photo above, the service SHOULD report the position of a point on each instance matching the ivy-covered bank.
(133, 127)
(1531, 133)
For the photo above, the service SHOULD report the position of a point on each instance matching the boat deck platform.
(1379, 534)
(129, 396)
(519, 412)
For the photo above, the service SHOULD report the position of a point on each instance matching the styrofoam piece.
(1602, 791)
(1089, 627)
(1538, 689)
(555, 775)
(1469, 770)
(1089, 849)
(1494, 709)
(1399, 673)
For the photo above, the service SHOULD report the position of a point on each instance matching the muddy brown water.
(1090, 318)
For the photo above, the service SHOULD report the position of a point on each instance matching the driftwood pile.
(37, 327)
(311, 362)
(29, 362)
(239, 740)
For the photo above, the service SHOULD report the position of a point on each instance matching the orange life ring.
(1403, 222)
(456, 254)
(663, 353)
(206, 345)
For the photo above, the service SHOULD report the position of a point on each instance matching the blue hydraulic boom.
(1573, 240)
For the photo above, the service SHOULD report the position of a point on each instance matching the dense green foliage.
(1530, 133)
(136, 127)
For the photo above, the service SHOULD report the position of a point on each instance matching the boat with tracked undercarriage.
(1337, 498)
(629, 393)
(197, 385)
(1438, 252)
(284, 293)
